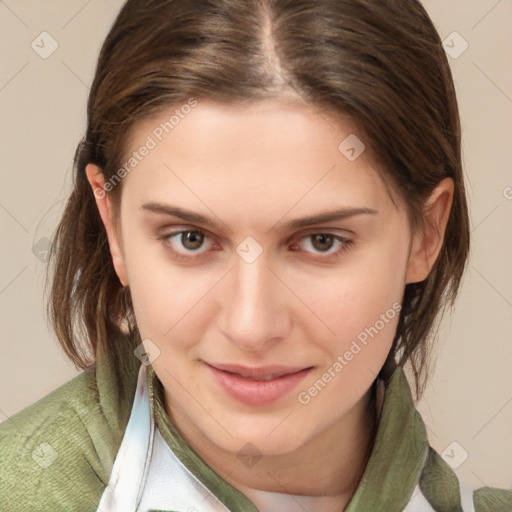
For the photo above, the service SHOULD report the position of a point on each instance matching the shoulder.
(442, 488)
(439, 484)
(58, 453)
(52, 446)
(492, 499)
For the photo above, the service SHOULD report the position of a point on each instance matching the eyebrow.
(322, 217)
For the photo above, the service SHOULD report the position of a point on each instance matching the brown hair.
(381, 63)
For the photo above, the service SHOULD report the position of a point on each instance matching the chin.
(260, 443)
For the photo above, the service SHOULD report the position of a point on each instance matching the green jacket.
(58, 454)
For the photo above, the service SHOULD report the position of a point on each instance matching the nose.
(255, 313)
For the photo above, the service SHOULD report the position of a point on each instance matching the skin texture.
(253, 170)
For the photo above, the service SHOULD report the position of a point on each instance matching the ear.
(97, 181)
(426, 245)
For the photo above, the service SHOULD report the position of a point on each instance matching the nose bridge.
(254, 311)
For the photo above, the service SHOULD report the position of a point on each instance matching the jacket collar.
(399, 453)
(398, 456)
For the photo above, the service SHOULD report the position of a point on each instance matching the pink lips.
(257, 386)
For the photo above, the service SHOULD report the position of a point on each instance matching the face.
(248, 238)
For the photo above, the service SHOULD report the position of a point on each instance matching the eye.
(322, 243)
(185, 244)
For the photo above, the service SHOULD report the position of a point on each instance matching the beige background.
(42, 118)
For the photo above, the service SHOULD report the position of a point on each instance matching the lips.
(256, 386)
(262, 373)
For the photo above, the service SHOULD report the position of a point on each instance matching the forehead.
(282, 126)
(269, 152)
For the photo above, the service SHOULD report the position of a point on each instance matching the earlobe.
(97, 181)
(426, 245)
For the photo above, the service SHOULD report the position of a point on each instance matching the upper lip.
(274, 370)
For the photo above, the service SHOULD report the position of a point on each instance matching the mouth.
(257, 386)
(261, 373)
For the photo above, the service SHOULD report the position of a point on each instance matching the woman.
(268, 217)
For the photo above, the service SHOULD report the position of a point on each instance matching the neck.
(321, 475)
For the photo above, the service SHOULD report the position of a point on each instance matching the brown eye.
(186, 244)
(322, 241)
(192, 239)
(325, 245)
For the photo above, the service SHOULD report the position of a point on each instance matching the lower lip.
(257, 392)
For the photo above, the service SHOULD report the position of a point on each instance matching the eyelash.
(346, 244)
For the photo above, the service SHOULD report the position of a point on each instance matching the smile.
(256, 386)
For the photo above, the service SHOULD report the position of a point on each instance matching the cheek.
(167, 298)
(360, 291)
(363, 310)
(358, 307)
